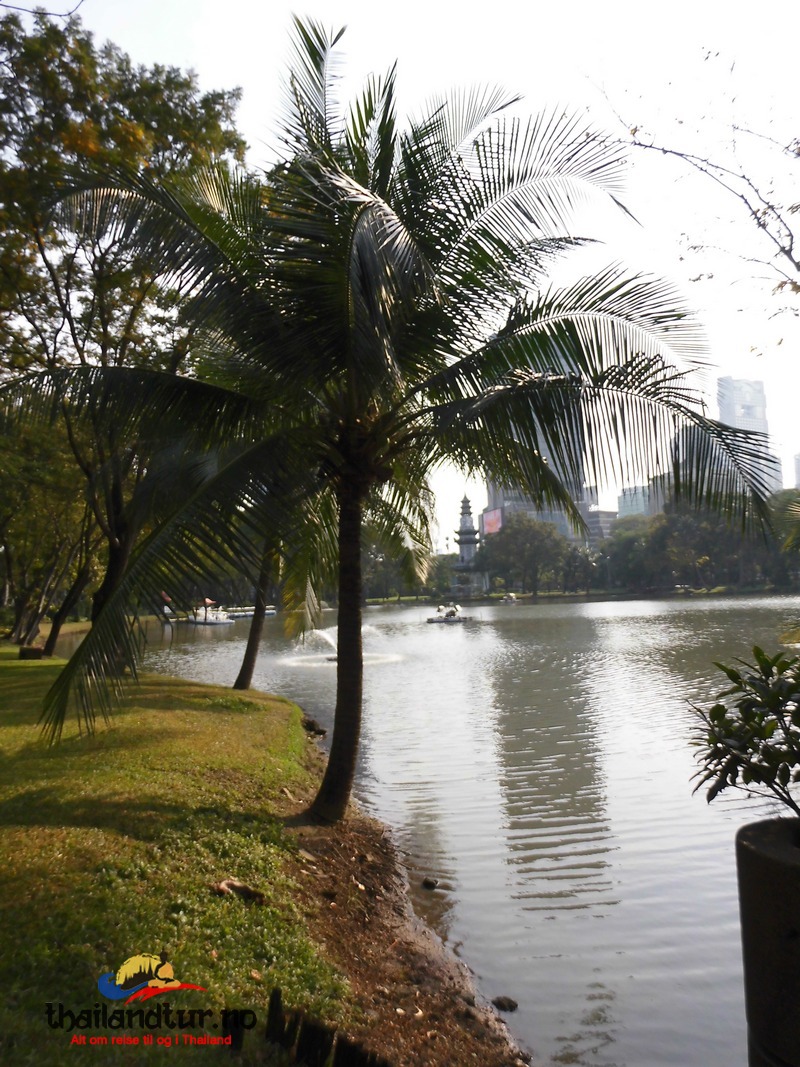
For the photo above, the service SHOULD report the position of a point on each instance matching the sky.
(684, 74)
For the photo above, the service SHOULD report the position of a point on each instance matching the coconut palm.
(376, 306)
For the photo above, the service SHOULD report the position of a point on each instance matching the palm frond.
(534, 175)
(462, 113)
(372, 134)
(225, 521)
(629, 422)
(582, 328)
(137, 404)
(312, 122)
(514, 181)
(308, 564)
(385, 275)
(431, 184)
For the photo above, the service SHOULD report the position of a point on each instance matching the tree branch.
(36, 10)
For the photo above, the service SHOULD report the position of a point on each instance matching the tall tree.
(48, 539)
(379, 305)
(523, 552)
(69, 299)
(579, 569)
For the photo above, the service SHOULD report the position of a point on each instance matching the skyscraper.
(743, 404)
(505, 501)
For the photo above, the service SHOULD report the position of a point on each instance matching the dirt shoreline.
(416, 1002)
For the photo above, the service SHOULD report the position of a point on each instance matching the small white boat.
(448, 614)
(249, 612)
(213, 618)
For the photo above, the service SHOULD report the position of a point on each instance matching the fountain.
(327, 641)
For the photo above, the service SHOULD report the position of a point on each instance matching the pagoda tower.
(466, 535)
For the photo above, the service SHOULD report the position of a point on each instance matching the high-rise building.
(743, 404)
(505, 501)
(635, 500)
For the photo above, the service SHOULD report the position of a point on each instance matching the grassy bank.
(110, 844)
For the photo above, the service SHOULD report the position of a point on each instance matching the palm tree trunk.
(331, 801)
(244, 679)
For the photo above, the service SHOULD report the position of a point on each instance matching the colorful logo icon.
(140, 978)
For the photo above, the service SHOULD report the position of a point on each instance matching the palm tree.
(374, 307)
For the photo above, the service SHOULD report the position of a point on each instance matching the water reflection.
(552, 778)
(537, 762)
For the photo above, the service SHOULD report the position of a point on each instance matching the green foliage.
(442, 575)
(48, 537)
(787, 519)
(70, 298)
(693, 548)
(66, 104)
(751, 734)
(579, 568)
(525, 553)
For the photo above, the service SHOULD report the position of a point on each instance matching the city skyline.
(741, 403)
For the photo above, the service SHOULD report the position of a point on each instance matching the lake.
(537, 762)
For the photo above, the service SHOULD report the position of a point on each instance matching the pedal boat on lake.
(212, 616)
(447, 614)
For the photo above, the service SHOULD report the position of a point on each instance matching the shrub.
(750, 737)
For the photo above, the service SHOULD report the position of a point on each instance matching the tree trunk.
(72, 597)
(244, 679)
(118, 556)
(331, 801)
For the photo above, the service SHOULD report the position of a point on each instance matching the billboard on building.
(492, 521)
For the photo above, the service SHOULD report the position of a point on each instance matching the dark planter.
(768, 864)
(31, 652)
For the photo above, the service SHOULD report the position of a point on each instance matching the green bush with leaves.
(751, 735)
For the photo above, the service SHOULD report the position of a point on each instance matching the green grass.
(109, 844)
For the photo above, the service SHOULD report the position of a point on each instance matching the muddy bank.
(417, 1004)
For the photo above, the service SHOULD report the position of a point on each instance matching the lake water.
(537, 762)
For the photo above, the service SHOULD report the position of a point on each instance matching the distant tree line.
(527, 556)
(682, 547)
(697, 550)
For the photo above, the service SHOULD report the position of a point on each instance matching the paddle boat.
(447, 614)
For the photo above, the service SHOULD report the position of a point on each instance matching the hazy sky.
(671, 70)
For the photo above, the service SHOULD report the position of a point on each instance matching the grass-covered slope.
(109, 845)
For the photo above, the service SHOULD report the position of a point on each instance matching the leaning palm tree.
(376, 306)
